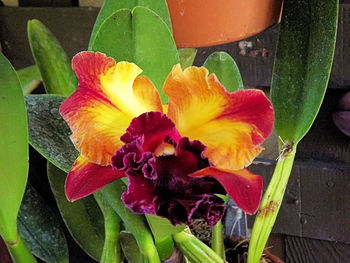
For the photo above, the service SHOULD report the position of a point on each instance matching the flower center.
(164, 149)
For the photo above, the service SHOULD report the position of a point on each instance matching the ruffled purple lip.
(159, 184)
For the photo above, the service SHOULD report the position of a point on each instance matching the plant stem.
(194, 249)
(19, 252)
(270, 205)
(165, 246)
(111, 252)
(217, 240)
(134, 223)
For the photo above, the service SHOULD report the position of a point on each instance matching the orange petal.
(108, 97)
(231, 125)
(242, 186)
(85, 178)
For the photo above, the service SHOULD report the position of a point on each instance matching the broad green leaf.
(115, 37)
(110, 6)
(130, 248)
(13, 149)
(142, 37)
(48, 132)
(52, 61)
(162, 232)
(187, 56)
(30, 78)
(302, 65)
(40, 230)
(226, 70)
(83, 218)
(49, 135)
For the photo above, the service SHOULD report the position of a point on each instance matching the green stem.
(194, 249)
(270, 206)
(134, 223)
(111, 252)
(19, 252)
(165, 246)
(217, 240)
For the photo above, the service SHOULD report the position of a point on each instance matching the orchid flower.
(178, 156)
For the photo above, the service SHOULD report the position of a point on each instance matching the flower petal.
(85, 178)
(182, 210)
(108, 97)
(231, 125)
(157, 161)
(153, 128)
(140, 196)
(242, 186)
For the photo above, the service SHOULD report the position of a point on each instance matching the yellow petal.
(108, 97)
(231, 125)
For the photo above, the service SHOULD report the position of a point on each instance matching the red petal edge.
(86, 178)
(242, 186)
(88, 66)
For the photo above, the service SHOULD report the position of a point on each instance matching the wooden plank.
(93, 3)
(341, 69)
(325, 206)
(276, 245)
(316, 203)
(40, 3)
(71, 26)
(306, 250)
(324, 142)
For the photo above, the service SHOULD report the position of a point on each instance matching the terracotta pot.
(198, 23)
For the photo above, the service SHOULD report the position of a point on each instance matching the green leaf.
(48, 132)
(83, 218)
(115, 36)
(226, 70)
(30, 78)
(163, 226)
(110, 6)
(162, 231)
(142, 37)
(302, 65)
(13, 149)
(52, 61)
(40, 230)
(49, 135)
(130, 249)
(187, 56)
